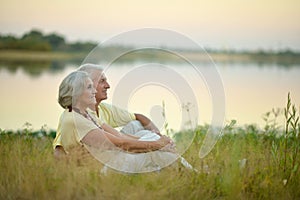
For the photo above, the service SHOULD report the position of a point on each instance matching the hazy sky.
(239, 24)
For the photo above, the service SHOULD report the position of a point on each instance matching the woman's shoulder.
(66, 115)
(70, 117)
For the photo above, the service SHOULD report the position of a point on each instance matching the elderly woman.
(114, 149)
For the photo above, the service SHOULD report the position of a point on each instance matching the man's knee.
(132, 127)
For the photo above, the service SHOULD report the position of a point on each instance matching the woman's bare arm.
(113, 131)
(99, 138)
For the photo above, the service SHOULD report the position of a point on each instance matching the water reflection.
(35, 68)
(29, 92)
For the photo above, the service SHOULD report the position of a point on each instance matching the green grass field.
(246, 163)
(29, 171)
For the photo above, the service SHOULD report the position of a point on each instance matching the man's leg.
(136, 128)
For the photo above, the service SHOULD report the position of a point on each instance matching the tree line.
(35, 40)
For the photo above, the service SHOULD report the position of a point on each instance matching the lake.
(29, 92)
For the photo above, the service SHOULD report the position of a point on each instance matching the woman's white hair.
(71, 87)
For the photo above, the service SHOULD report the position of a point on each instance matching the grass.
(246, 163)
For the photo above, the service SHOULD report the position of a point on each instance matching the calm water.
(30, 94)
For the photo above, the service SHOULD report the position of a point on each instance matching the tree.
(56, 41)
(33, 35)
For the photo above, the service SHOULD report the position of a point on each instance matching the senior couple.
(89, 124)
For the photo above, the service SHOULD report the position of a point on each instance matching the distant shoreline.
(26, 55)
(218, 57)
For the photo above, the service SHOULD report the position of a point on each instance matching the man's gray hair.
(90, 69)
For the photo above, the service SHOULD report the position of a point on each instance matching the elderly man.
(109, 114)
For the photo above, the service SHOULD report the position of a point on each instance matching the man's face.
(101, 85)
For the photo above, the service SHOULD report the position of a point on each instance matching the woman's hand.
(165, 140)
(169, 148)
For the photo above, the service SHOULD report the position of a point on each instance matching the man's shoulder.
(106, 106)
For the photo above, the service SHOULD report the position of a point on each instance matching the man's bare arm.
(147, 123)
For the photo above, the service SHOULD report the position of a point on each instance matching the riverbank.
(18, 55)
(285, 59)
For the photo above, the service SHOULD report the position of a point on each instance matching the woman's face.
(87, 98)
